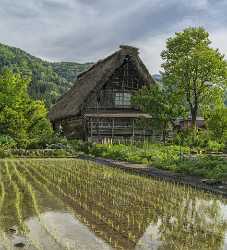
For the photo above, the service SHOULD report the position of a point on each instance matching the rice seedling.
(4, 240)
(35, 205)
(2, 197)
(117, 207)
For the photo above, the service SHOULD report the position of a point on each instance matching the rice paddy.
(74, 204)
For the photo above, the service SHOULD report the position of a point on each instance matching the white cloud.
(219, 40)
(199, 4)
(150, 50)
(86, 30)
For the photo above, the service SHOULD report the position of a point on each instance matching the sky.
(89, 30)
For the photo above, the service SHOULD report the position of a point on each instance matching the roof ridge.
(128, 47)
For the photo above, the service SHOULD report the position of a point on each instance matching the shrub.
(140, 153)
(7, 142)
(56, 139)
(209, 167)
(199, 141)
(215, 146)
(40, 153)
(166, 157)
(5, 153)
(80, 146)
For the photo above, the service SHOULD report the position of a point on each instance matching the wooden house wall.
(124, 80)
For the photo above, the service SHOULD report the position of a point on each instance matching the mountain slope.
(48, 80)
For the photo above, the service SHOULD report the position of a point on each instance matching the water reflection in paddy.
(69, 231)
(70, 204)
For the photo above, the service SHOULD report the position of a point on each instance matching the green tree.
(21, 118)
(194, 68)
(217, 122)
(39, 129)
(161, 103)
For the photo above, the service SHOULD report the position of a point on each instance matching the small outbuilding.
(186, 123)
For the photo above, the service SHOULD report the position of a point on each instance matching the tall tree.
(22, 118)
(194, 68)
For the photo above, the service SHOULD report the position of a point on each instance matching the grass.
(116, 206)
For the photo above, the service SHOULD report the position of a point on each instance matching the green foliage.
(161, 103)
(38, 153)
(56, 139)
(141, 153)
(199, 141)
(48, 80)
(40, 130)
(196, 71)
(21, 118)
(5, 153)
(7, 142)
(217, 122)
(80, 146)
(69, 70)
(167, 157)
(215, 146)
(209, 167)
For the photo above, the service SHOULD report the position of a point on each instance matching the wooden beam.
(91, 124)
(133, 130)
(112, 128)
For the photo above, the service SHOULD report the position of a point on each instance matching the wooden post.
(97, 127)
(85, 128)
(91, 122)
(133, 130)
(112, 128)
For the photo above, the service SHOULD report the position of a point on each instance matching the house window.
(122, 99)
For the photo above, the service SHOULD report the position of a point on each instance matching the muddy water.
(69, 204)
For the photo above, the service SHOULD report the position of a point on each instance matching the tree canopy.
(21, 118)
(194, 69)
(161, 103)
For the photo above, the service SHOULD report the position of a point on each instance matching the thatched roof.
(70, 103)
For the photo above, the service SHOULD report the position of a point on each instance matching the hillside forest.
(47, 80)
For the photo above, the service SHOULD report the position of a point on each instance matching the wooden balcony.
(119, 132)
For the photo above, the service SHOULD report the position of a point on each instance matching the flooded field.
(73, 204)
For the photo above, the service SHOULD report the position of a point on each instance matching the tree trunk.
(164, 136)
(164, 133)
(193, 117)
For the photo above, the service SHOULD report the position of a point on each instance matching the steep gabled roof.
(71, 102)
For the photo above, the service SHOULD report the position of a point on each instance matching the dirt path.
(213, 186)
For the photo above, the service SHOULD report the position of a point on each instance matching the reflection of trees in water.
(195, 224)
(10, 206)
(119, 207)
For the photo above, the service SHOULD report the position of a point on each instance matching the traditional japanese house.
(99, 104)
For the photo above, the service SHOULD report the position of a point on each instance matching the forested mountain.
(48, 80)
